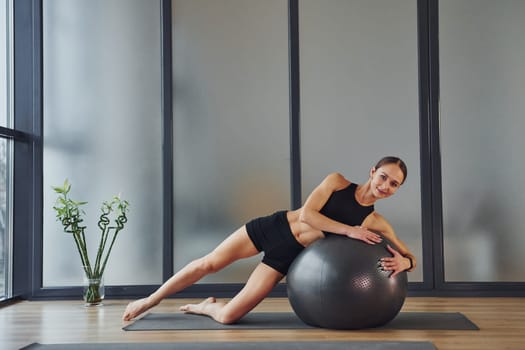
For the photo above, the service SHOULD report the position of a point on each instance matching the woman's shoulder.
(338, 180)
(334, 182)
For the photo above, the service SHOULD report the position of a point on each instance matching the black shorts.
(272, 235)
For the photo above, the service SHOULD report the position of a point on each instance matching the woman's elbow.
(304, 216)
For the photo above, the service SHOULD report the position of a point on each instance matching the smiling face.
(385, 180)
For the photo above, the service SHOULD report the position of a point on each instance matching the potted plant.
(70, 214)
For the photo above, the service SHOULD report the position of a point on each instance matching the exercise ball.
(338, 283)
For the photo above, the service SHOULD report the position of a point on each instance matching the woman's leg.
(260, 283)
(236, 246)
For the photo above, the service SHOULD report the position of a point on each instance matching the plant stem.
(101, 248)
(109, 250)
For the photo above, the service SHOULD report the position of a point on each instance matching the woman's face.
(386, 180)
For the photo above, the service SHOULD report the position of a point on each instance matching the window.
(5, 147)
(353, 42)
(4, 62)
(5, 251)
(222, 103)
(110, 124)
(482, 107)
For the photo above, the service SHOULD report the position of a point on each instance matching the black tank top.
(343, 207)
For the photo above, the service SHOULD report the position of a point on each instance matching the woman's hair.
(393, 160)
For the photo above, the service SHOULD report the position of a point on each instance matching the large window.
(4, 62)
(5, 147)
(102, 131)
(359, 99)
(5, 246)
(231, 144)
(482, 45)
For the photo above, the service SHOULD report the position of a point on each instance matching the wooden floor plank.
(501, 322)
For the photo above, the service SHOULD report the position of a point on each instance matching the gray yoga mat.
(288, 320)
(353, 345)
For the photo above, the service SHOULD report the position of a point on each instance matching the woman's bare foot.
(200, 308)
(136, 308)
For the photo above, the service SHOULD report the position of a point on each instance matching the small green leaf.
(58, 189)
(67, 186)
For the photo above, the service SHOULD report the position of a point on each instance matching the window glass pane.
(4, 62)
(482, 76)
(359, 99)
(5, 154)
(5, 190)
(103, 131)
(231, 151)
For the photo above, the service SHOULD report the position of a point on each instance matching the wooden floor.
(501, 320)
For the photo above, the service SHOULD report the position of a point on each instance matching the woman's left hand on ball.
(395, 263)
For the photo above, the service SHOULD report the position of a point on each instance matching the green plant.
(70, 214)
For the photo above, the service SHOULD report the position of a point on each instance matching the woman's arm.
(311, 215)
(402, 259)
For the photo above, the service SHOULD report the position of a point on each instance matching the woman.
(336, 206)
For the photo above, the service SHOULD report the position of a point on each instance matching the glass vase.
(93, 290)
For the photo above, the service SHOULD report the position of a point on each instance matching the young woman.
(336, 206)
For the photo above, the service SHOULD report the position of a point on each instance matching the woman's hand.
(397, 263)
(363, 234)
(136, 308)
